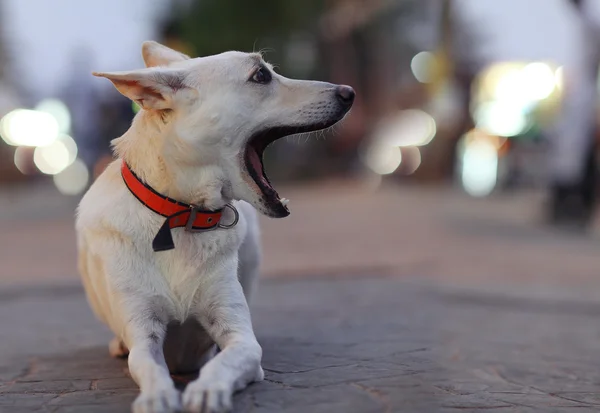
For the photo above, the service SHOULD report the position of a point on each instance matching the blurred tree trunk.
(459, 66)
(363, 50)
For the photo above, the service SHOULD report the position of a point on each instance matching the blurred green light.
(135, 107)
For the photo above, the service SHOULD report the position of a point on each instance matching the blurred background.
(474, 107)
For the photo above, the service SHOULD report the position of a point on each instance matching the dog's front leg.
(146, 334)
(223, 312)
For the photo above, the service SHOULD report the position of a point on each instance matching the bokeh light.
(73, 180)
(479, 164)
(23, 127)
(525, 86)
(53, 158)
(71, 146)
(501, 118)
(510, 97)
(540, 80)
(397, 136)
(421, 66)
(411, 160)
(382, 159)
(59, 111)
(559, 74)
(23, 160)
(412, 127)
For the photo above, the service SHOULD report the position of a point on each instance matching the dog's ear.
(155, 54)
(150, 88)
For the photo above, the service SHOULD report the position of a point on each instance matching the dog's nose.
(345, 95)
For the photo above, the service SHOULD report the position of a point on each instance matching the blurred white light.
(500, 118)
(559, 74)
(539, 80)
(23, 127)
(411, 160)
(411, 127)
(70, 145)
(383, 159)
(22, 159)
(525, 87)
(59, 111)
(422, 65)
(479, 167)
(4, 121)
(73, 180)
(53, 158)
(510, 87)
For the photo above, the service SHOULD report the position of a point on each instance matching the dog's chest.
(191, 264)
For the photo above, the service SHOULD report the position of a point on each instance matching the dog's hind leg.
(117, 349)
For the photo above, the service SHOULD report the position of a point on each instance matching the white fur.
(168, 309)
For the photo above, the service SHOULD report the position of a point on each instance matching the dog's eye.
(262, 76)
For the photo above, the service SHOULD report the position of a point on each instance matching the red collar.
(178, 214)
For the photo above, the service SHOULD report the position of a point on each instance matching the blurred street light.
(59, 111)
(478, 164)
(382, 159)
(23, 127)
(422, 66)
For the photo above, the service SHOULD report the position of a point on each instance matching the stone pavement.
(405, 300)
(362, 344)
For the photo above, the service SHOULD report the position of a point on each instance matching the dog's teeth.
(284, 201)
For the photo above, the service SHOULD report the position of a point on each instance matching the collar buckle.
(189, 226)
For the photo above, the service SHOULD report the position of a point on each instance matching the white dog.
(168, 249)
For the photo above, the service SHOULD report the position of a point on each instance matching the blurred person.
(573, 153)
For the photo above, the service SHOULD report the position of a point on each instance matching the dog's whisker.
(264, 50)
(334, 130)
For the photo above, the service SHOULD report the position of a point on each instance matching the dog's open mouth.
(253, 158)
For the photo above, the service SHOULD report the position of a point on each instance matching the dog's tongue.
(257, 165)
(255, 160)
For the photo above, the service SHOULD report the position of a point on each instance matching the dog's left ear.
(150, 88)
(155, 54)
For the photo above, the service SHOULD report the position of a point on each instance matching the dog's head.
(224, 110)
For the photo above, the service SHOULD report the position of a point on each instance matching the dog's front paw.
(203, 397)
(161, 401)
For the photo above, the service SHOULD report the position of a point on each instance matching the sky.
(43, 34)
(525, 29)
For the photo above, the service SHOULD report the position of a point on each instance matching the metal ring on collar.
(235, 219)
